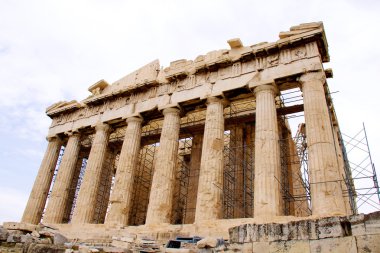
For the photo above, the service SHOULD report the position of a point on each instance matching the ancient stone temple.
(198, 147)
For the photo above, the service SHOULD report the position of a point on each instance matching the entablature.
(188, 83)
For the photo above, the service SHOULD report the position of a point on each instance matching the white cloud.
(13, 204)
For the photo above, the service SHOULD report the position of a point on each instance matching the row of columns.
(324, 174)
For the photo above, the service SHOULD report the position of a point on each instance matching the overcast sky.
(54, 50)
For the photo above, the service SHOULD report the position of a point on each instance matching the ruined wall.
(356, 233)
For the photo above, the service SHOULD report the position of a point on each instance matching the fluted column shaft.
(37, 199)
(59, 197)
(86, 202)
(161, 195)
(122, 193)
(210, 186)
(326, 191)
(195, 161)
(267, 154)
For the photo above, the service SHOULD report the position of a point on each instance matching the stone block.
(163, 236)
(335, 245)
(59, 239)
(255, 233)
(274, 232)
(121, 244)
(293, 230)
(27, 238)
(357, 224)
(242, 233)
(208, 242)
(260, 247)
(313, 229)
(289, 231)
(35, 234)
(249, 233)
(330, 227)
(239, 247)
(372, 223)
(19, 226)
(14, 238)
(233, 234)
(368, 243)
(45, 248)
(10, 250)
(294, 246)
(127, 239)
(263, 232)
(3, 234)
(83, 249)
(303, 230)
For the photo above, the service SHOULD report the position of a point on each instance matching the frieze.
(298, 53)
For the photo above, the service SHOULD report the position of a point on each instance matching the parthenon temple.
(203, 141)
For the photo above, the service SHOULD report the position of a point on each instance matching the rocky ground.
(24, 238)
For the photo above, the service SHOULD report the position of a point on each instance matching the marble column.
(267, 195)
(37, 199)
(325, 187)
(86, 202)
(236, 147)
(59, 197)
(195, 161)
(210, 186)
(161, 195)
(122, 193)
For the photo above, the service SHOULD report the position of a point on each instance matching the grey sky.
(54, 50)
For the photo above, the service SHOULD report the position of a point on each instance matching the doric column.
(195, 161)
(161, 195)
(326, 191)
(267, 154)
(86, 202)
(210, 186)
(236, 147)
(37, 199)
(58, 200)
(122, 193)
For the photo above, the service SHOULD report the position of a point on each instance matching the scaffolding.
(359, 180)
(294, 181)
(238, 175)
(363, 171)
(75, 189)
(142, 184)
(105, 185)
(182, 181)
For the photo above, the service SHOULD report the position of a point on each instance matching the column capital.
(173, 110)
(266, 87)
(213, 100)
(103, 127)
(53, 138)
(312, 76)
(134, 119)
